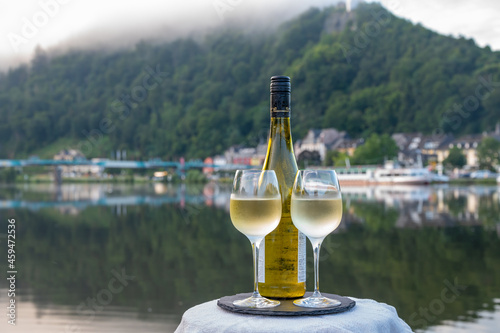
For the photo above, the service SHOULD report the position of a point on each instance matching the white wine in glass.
(316, 210)
(317, 218)
(255, 210)
(255, 217)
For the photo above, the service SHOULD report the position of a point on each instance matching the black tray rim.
(347, 304)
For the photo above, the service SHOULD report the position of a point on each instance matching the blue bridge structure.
(151, 164)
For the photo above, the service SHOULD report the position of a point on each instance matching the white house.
(320, 140)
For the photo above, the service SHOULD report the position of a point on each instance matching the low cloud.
(117, 24)
(64, 24)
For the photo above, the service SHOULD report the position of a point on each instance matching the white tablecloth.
(368, 316)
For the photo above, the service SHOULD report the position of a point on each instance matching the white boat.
(388, 193)
(388, 175)
(498, 180)
(437, 178)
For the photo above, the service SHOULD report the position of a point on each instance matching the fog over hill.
(58, 26)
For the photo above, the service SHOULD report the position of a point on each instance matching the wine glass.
(316, 209)
(255, 210)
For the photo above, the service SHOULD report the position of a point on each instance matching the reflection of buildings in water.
(412, 216)
(73, 198)
(472, 205)
(69, 210)
(222, 200)
(160, 188)
(210, 191)
(425, 205)
(76, 192)
(417, 206)
(120, 210)
(392, 196)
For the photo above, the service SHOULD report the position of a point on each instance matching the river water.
(133, 258)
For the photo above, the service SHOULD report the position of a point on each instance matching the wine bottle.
(282, 259)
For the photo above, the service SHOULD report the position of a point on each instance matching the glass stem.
(316, 248)
(255, 250)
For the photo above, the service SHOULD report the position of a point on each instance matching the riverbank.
(38, 179)
(470, 181)
(144, 180)
(115, 179)
(191, 177)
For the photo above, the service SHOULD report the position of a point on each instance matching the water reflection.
(72, 198)
(414, 206)
(397, 245)
(443, 206)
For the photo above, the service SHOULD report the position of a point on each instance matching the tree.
(40, 60)
(335, 158)
(488, 153)
(455, 159)
(376, 149)
(196, 98)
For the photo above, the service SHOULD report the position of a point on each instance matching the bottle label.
(302, 258)
(262, 262)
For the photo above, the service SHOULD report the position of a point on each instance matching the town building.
(245, 155)
(73, 155)
(321, 141)
(468, 144)
(69, 155)
(416, 149)
(349, 146)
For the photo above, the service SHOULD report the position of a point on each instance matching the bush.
(7, 175)
(195, 176)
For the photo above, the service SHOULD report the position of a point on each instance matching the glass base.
(256, 302)
(316, 301)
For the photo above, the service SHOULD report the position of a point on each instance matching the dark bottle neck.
(280, 104)
(280, 96)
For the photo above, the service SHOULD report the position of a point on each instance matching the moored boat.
(387, 175)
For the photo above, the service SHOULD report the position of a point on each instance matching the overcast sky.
(80, 23)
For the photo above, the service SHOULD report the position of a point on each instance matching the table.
(368, 316)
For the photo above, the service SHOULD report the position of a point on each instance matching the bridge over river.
(104, 163)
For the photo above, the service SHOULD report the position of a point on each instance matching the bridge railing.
(123, 164)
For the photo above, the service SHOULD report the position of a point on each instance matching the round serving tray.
(287, 308)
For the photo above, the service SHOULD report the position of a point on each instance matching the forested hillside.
(363, 72)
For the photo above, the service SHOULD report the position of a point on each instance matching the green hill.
(363, 72)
